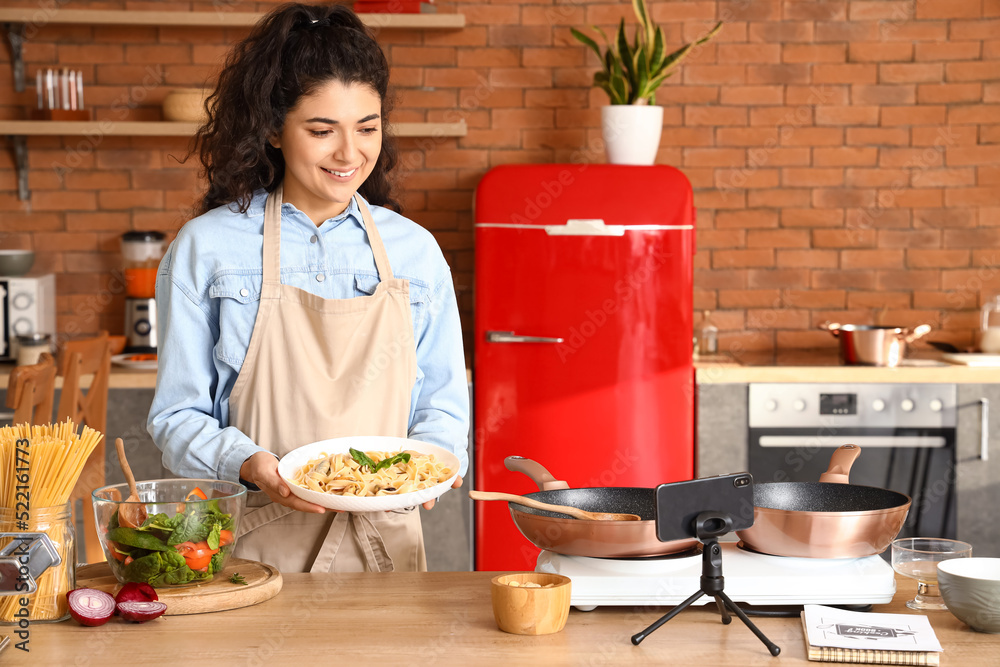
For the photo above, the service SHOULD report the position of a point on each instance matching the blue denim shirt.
(207, 293)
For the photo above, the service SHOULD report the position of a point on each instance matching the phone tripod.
(708, 527)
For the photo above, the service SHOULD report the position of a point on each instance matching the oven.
(906, 433)
(27, 305)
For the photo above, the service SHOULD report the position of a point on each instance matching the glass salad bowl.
(188, 533)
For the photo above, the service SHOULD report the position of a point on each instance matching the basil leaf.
(193, 528)
(214, 536)
(134, 538)
(402, 457)
(362, 459)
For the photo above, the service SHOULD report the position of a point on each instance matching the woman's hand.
(262, 469)
(430, 503)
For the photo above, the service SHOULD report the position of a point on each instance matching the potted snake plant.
(630, 74)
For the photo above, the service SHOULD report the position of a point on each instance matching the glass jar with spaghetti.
(27, 591)
(39, 466)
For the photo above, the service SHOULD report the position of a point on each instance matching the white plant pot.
(631, 132)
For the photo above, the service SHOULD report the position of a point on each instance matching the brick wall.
(845, 154)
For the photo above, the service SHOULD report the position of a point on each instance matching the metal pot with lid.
(864, 345)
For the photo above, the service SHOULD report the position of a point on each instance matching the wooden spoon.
(574, 512)
(132, 514)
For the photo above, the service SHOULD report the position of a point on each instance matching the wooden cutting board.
(263, 583)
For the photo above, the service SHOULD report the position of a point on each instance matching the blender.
(141, 252)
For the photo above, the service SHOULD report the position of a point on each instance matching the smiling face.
(330, 142)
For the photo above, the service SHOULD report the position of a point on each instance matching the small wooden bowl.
(186, 104)
(117, 344)
(531, 611)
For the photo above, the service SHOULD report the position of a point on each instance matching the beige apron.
(325, 368)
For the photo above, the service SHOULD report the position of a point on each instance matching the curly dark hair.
(291, 52)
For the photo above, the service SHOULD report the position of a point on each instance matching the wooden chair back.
(89, 356)
(31, 391)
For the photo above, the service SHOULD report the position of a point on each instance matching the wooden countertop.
(820, 365)
(121, 378)
(823, 365)
(440, 619)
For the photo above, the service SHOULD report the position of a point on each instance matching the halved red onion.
(133, 592)
(90, 606)
(140, 612)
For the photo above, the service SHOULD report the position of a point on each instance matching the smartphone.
(678, 504)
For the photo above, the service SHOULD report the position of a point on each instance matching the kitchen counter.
(120, 378)
(823, 365)
(440, 618)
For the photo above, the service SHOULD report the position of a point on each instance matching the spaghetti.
(340, 474)
(54, 456)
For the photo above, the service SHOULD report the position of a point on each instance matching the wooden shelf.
(172, 129)
(222, 18)
(17, 19)
(18, 130)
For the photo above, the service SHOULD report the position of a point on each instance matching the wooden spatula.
(132, 513)
(574, 512)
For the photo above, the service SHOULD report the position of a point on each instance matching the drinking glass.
(917, 558)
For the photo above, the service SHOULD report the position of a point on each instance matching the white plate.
(126, 361)
(297, 458)
(973, 359)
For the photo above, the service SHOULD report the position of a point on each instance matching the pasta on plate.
(342, 475)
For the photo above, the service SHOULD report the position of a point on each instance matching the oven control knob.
(771, 405)
(800, 405)
(21, 326)
(936, 405)
(907, 405)
(22, 301)
(878, 405)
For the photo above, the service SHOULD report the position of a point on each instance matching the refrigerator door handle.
(511, 337)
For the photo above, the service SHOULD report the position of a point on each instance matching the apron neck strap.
(375, 239)
(272, 239)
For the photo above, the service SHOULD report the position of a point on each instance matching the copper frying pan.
(599, 539)
(826, 519)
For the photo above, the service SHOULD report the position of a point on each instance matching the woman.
(297, 307)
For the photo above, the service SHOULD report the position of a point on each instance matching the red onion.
(140, 612)
(133, 592)
(90, 606)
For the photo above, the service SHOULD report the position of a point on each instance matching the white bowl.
(297, 458)
(971, 590)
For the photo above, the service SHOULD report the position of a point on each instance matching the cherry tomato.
(113, 549)
(225, 537)
(196, 494)
(197, 555)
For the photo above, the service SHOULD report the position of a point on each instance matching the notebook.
(836, 635)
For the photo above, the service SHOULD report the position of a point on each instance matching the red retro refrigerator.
(583, 326)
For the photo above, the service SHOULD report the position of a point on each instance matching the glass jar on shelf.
(708, 336)
(989, 333)
(30, 347)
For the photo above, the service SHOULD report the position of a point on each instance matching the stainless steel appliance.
(27, 306)
(906, 433)
(140, 324)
